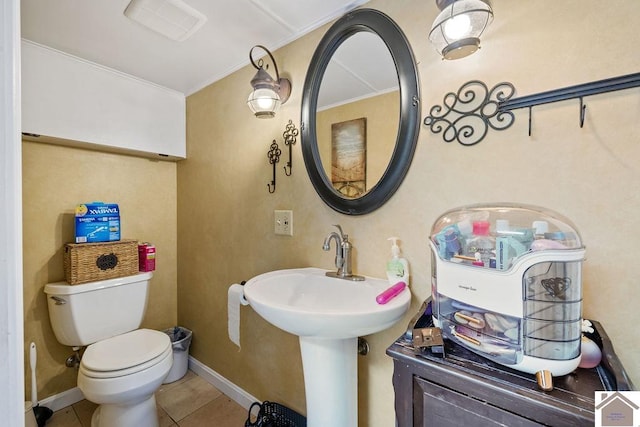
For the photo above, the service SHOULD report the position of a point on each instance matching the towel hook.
(289, 136)
(274, 157)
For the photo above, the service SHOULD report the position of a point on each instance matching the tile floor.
(188, 402)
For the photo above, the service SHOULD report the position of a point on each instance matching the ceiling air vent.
(172, 18)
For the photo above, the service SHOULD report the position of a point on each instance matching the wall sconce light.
(457, 29)
(267, 94)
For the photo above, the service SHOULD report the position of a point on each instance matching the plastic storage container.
(525, 309)
(180, 342)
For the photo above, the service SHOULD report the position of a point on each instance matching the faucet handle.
(340, 229)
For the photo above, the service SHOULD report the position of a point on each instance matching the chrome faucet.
(343, 255)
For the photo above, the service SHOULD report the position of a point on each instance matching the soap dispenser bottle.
(397, 267)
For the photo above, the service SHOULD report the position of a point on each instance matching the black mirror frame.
(377, 22)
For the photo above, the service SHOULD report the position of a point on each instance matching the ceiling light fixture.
(457, 29)
(268, 94)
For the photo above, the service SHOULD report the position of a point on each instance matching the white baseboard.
(62, 400)
(231, 390)
(241, 397)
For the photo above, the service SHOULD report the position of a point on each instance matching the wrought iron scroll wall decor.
(289, 136)
(274, 157)
(467, 115)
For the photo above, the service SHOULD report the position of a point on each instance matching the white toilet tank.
(83, 314)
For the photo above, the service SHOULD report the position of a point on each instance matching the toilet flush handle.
(58, 300)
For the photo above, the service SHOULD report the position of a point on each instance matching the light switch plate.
(283, 222)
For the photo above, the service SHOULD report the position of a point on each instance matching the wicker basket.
(88, 262)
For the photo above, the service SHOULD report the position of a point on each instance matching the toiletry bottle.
(540, 228)
(544, 240)
(503, 256)
(481, 245)
(397, 267)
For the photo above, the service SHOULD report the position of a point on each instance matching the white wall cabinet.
(71, 101)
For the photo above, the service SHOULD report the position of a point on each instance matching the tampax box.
(146, 257)
(97, 222)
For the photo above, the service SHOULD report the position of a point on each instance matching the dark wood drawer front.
(436, 406)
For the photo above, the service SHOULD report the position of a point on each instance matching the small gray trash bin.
(180, 342)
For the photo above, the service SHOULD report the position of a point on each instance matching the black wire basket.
(273, 414)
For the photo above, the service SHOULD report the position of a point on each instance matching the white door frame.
(11, 313)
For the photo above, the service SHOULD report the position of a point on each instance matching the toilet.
(122, 366)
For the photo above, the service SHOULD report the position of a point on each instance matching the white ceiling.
(98, 31)
(361, 67)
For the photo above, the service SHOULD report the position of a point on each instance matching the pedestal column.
(331, 381)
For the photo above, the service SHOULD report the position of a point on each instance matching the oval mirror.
(360, 112)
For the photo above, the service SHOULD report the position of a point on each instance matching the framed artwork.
(349, 157)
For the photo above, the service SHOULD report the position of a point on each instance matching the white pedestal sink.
(328, 315)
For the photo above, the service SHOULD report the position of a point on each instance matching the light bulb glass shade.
(457, 29)
(264, 102)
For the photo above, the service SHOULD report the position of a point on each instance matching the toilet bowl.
(122, 373)
(122, 366)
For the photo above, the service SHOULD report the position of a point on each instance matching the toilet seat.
(125, 354)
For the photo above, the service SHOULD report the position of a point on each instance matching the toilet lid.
(125, 351)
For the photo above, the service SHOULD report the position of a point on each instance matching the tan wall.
(55, 179)
(380, 112)
(590, 174)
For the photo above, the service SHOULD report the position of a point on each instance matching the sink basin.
(307, 303)
(328, 315)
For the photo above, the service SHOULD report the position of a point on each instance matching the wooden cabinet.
(464, 389)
